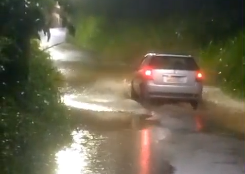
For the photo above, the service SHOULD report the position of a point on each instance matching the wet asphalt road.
(175, 140)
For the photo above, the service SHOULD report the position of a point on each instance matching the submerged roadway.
(175, 139)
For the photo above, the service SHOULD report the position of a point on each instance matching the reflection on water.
(104, 103)
(76, 159)
(69, 101)
(199, 123)
(57, 54)
(145, 152)
(58, 35)
(72, 160)
(112, 152)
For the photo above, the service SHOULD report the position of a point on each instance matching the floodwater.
(174, 140)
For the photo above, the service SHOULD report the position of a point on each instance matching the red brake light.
(199, 76)
(148, 72)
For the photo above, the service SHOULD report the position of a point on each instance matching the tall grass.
(225, 63)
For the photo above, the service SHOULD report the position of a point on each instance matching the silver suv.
(168, 76)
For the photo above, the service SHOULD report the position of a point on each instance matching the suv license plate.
(171, 80)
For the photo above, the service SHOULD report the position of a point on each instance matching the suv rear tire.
(194, 104)
(133, 94)
(143, 98)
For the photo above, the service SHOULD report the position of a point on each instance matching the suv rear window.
(171, 62)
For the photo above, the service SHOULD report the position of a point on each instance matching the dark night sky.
(162, 8)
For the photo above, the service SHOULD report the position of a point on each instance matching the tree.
(21, 21)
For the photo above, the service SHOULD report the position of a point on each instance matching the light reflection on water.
(103, 104)
(72, 160)
(58, 35)
(119, 152)
(145, 152)
(70, 101)
(75, 159)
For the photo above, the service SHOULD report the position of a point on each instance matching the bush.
(31, 136)
(226, 62)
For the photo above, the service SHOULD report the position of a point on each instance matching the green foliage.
(89, 33)
(25, 18)
(226, 62)
(3, 43)
(127, 40)
(31, 136)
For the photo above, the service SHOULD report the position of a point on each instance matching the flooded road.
(174, 140)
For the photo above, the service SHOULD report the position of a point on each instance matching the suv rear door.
(169, 70)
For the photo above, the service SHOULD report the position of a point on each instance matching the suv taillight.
(199, 76)
(147, 73)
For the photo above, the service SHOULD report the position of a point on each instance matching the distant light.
(57, 5)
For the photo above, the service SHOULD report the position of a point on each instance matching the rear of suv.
(168, 76)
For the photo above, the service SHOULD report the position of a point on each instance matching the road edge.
(225, 111)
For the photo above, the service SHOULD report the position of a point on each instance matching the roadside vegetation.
(34, 123)
(127, 40)
(225, 64)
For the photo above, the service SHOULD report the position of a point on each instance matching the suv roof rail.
(150, 54)
(162, 54)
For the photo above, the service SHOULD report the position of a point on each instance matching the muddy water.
(174, 140)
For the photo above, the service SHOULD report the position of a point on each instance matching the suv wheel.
(194, 104)
(133, 94)
(144, 99)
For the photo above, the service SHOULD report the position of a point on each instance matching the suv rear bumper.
(176, 92)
